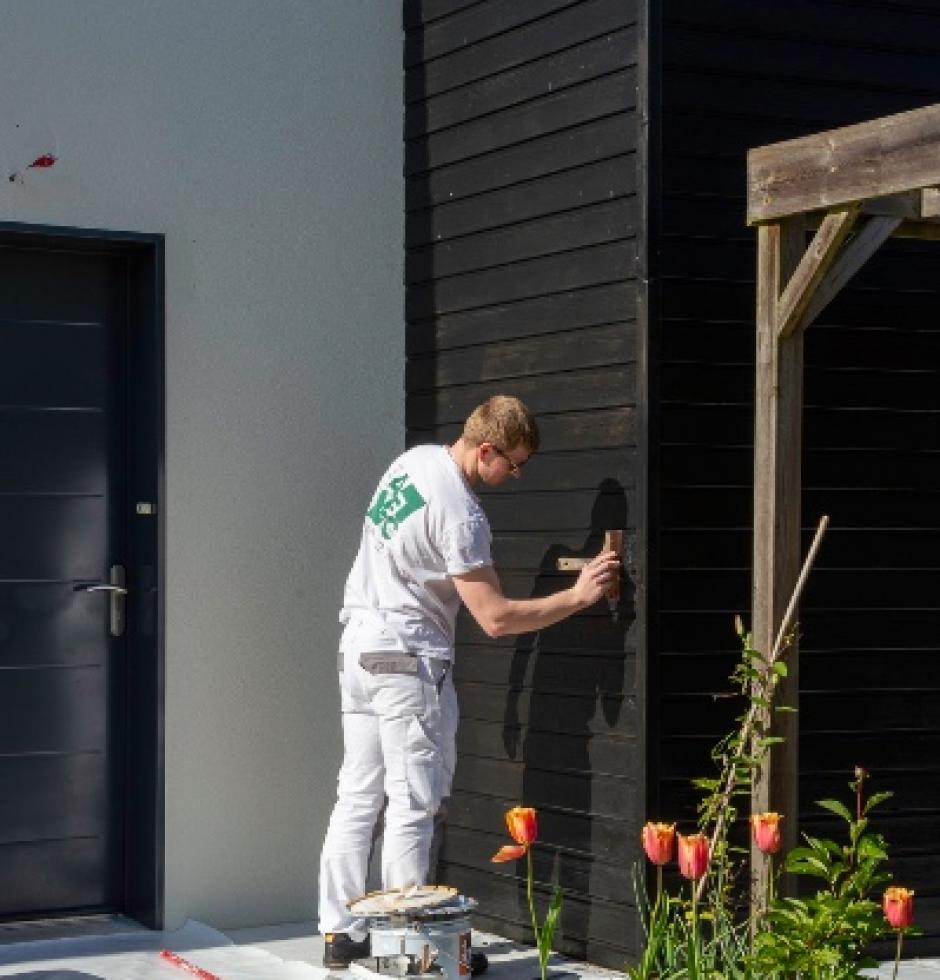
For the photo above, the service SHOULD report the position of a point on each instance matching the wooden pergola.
(851, 189)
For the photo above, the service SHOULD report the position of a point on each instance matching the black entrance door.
(62, 541)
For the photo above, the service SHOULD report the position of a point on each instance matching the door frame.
(144, 765)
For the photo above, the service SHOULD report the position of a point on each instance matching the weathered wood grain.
(873, 234)
(777, 482)
(883, 156)
(818, 257)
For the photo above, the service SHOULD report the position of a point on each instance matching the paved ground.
(508, 960)
(299, 943)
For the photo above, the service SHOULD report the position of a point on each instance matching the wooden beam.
(883, 156)
(907, 206)
(812, 267)
(777, 442)
(870, 237)
(930, 202)
(927, 231)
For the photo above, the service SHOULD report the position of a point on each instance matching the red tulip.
(693, 856)
(898, 905)
(766, 830)
(522, 824)
(659, 841)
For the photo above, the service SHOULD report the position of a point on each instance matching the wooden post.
(777, 484)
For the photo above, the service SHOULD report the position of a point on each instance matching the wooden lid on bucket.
(393, 901)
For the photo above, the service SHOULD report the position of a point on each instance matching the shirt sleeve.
(467, 546)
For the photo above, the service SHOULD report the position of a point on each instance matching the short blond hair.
(504, 422)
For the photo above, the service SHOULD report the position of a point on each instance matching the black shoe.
(478, 964)
(339, 950)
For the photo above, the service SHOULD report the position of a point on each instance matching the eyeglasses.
(514, 467)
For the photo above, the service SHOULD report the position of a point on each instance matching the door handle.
(117, 590)
(100, 587)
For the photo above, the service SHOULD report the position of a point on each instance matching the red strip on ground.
(191, 968)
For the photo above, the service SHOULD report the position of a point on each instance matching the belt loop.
(440, 683)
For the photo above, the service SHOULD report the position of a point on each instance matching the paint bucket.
(417, 936)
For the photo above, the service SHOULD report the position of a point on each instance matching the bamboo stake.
(751, 717)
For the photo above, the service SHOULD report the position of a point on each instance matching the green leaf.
(780, 668)
(803, 861)
(547, 932)
(786, 709)
(834, 806)
(875, 799)
(868, 847)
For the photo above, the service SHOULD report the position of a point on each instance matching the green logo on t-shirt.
(393, 504)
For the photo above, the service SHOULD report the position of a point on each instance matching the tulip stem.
(897, 958)
(694, 938)
(770, 881)
(531, 897)
(659, 882)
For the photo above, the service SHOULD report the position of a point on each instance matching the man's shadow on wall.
(568, 684)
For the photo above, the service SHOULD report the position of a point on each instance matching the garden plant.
(712, 931)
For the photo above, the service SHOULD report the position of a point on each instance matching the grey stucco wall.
(264, 140)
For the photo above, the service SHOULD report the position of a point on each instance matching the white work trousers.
(398, 746)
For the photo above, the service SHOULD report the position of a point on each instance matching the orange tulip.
(522, 824)
(898, 905)
(523, 829)
(766, 830)
(659, 841)
(693, 856)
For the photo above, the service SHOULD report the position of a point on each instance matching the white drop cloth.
(135, 956)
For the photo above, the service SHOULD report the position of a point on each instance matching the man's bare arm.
(482, 594)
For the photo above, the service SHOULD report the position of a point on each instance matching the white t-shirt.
(424, 524)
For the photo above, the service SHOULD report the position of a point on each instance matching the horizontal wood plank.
(571, 24)
(571, 391)
(591, 266)
(565, 232)
(572, 66)
(415, 13)
(547, 751)
(554, 313)
(554, 193)
(577, 833)
(593, 347)
(472, 25)
(590, 142)
(609, 882)
(550, 113)
(592, 793)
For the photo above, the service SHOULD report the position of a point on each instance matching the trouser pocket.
(389, 663)
(424, 768)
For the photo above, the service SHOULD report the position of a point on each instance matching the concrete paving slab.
(508, 960)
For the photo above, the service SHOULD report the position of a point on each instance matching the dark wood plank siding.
(736, 74)
(521, 272)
